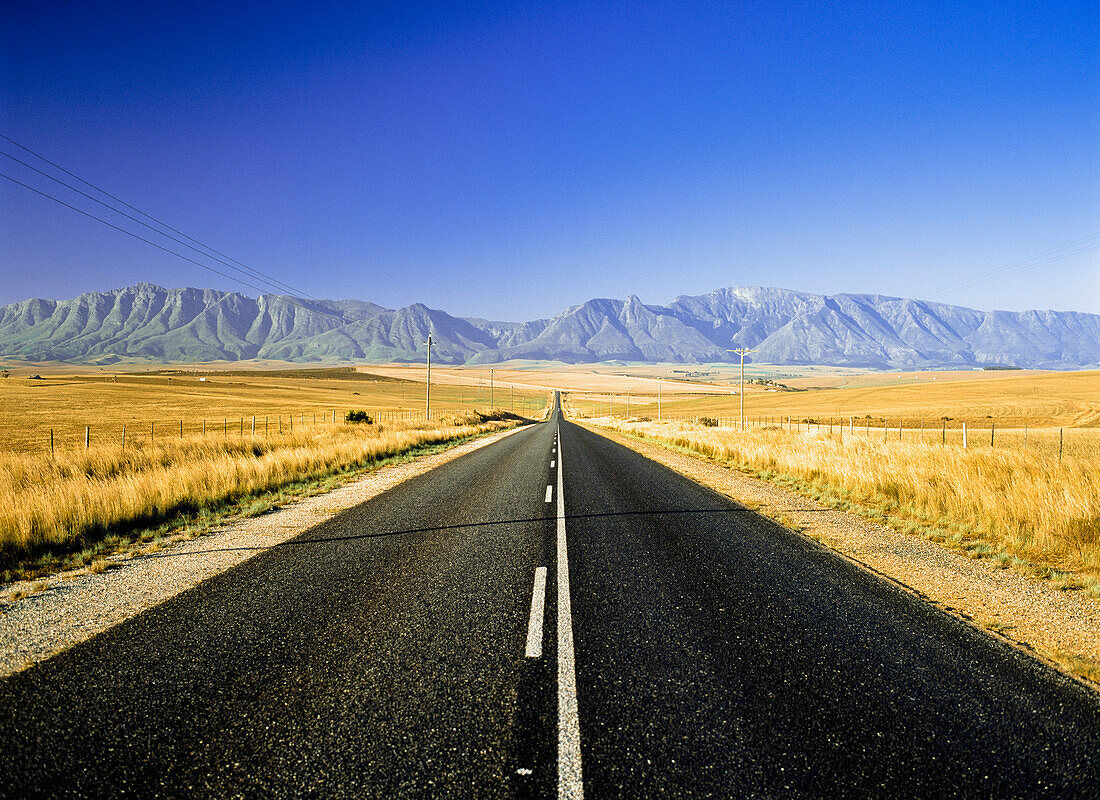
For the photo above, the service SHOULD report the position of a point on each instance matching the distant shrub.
(708, 422)
(358, 416)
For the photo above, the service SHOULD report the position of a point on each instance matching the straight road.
(549, 615)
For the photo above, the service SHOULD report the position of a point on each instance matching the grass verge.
(1025, 511)
(74, 509)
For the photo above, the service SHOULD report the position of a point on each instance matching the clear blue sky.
(508, 160)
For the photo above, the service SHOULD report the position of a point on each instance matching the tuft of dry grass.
(1019, 508)
(61, 504)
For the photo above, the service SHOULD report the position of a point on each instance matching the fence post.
(87, 436)
(1025, 437)
(181, 428)
(992, 431)
(204, 427)
(1061, 441)
(124, 436)
(253, 424)
(151, 424)
(51, 441)
(943, 438)
(964, 436)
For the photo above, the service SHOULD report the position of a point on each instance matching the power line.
(261, 290)
(128, 233)
(279, 286)
(255, 273)
(1059, 253)
(1030, 262)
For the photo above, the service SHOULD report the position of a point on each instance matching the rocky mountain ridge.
(783, 327)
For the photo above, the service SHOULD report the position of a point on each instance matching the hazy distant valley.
(148, 322)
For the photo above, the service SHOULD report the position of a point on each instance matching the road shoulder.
(1061, 627)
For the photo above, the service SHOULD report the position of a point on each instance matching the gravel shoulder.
(75, 606)
(1060, 626)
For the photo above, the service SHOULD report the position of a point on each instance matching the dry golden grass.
(1015, 410)
(997, 503)
(226, 401)
(78, 497)
(534, 375)
(1008, 399)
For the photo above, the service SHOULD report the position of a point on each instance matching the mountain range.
(148, 322)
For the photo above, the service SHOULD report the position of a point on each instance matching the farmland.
(157, 404)
(1010, 399)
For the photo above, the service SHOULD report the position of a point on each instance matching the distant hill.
(784, 327)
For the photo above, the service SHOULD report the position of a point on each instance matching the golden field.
(79, 499)
(983, 399)
(1020, 508)
(154, 403)
(1008, 399)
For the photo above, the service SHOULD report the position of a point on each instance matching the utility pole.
(742, 351)
(428, 389)
(492, 403)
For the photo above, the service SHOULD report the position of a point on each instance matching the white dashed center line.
(550, 493)
(538, 606)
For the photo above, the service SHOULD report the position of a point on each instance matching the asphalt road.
(687, 648)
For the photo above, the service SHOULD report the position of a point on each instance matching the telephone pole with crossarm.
(742, 351)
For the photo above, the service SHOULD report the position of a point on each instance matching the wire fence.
(70, 435)
(1078, 442)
